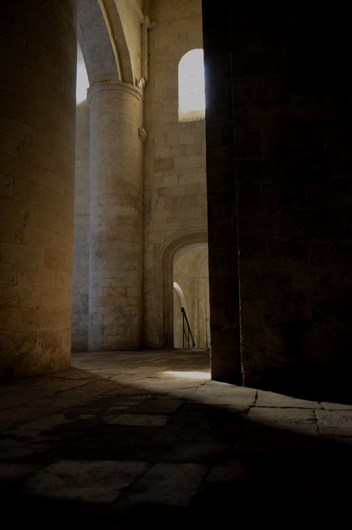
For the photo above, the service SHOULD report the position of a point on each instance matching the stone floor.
(129, 439)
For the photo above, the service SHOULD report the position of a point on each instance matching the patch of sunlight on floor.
(191, 375)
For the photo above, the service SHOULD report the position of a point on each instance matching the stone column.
(37, 149)
(116, 217)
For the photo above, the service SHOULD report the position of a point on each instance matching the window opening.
(191, 93)
(82, 83)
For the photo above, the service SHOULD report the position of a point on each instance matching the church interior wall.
(175, 182)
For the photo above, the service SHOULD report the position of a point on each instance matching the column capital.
(113, 86)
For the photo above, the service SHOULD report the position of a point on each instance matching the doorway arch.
(180, 247)
(191, 274)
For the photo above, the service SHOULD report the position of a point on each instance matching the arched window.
(82, 82)
(191, 97)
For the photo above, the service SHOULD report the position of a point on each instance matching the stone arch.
(105, 49)
(171, 246)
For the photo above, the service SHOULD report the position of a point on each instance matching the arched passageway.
(191, 276)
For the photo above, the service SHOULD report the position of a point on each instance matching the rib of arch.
(105, 51)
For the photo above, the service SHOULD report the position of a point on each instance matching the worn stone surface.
(95, 449)
(37, 111)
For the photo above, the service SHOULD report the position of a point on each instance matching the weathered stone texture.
(37, 164)
(115, 217)
(289, 112)
(175, 182)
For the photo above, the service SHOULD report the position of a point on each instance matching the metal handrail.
(186, 330)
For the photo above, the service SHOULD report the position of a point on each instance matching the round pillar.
(37, 150)
(116, 217)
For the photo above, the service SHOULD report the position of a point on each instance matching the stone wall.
(80, 308)
(174, 199)
(290, 107)
(175, 183)
(226, 363)
(37, 109)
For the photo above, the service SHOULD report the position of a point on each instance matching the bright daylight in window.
(82, 82)
(191, 103)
